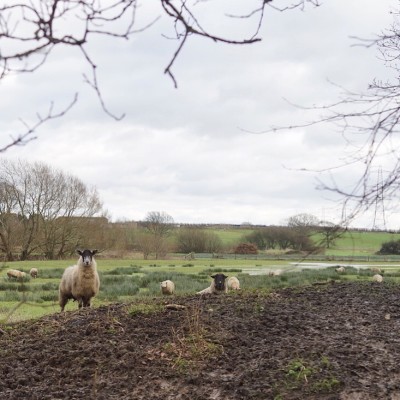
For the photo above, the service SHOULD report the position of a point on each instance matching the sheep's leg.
(80, 303)
(63, 301)
(86, 302)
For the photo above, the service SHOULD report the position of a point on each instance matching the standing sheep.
(233, 283)
(81, 281)
(218, 285)
(33, 272)
(167, 287)
(377, 278)
(15, 274)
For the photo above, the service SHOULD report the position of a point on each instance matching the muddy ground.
(333, 341)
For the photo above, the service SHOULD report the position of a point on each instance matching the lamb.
(167, 287)
(377, 278)
(218, 285)
(33, 272)
(80, 282)
(233, 283)
(16, 274)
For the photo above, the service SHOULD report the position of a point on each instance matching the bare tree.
(30, 30)
(303, 221)
(159, 225)
(330, 232)
(41, 209)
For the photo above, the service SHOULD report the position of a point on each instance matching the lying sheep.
(233, 283)
(377, 278)
(33, 272)
(277, 272)
(376, 270)
(340, 270)
(218, 285)
(81, 281)
(167, 287)
(15, 274)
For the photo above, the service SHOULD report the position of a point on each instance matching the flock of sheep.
(81, 282)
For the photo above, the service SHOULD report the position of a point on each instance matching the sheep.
(218, 285)
(233, 283)
(340, 270)
(377, 278)
(277, 272)
(167, 287)
(80, 282)
(376, 270)
(16, 274)
(33, 272)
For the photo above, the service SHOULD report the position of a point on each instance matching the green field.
(124, 280)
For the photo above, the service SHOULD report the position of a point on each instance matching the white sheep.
(15, 274)
(233, 283)
(81, 281)
(167, 287)
(277, 272)
(33, 272)
(377, 278)
(218, 285)
(340, 270)
(376, 270)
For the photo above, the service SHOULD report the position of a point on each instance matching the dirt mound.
(335, 341)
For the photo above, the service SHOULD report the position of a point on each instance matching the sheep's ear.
(213, 276)
(79, 252)
(94, 251)
(225, 276)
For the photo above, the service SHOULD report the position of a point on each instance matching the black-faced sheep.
(33, 272)
(81, 281)
(15, 274)
(167, 287)
(233, 283)
(218, 285)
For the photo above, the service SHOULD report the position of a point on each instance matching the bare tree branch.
(31, 29)
(27, 136)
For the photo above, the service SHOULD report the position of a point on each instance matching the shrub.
(246, 248)
(391, 247)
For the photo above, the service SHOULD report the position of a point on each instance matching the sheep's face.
(87, 256)
(219, 280)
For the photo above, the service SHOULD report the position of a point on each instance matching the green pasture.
(358, 243)
(231, 236)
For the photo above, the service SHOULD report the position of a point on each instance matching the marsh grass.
(122, 283)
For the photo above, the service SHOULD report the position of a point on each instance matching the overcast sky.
(188, 151)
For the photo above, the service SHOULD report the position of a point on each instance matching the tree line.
(48, 214)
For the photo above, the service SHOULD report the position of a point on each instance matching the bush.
(246, 248)
(391, 247)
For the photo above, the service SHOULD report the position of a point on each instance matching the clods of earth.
(328, 341)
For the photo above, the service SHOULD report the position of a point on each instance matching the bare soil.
(333, 341)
